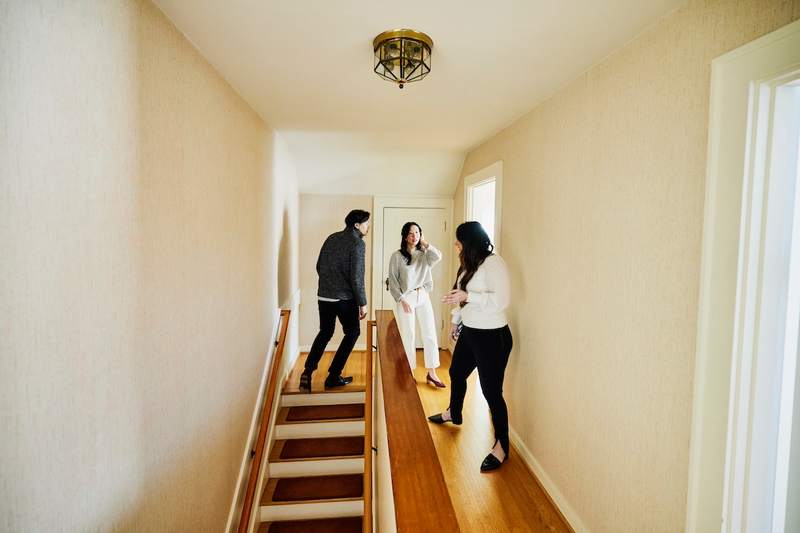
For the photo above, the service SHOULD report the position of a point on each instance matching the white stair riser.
(318, 467)
(309, 511)
(337, 398)
(319, 429)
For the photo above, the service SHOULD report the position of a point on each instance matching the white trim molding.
(491, 172)
(309, 511)
(722, 365)
(556, 496)
(235, 510)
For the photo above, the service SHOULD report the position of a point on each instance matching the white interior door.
(433, 222)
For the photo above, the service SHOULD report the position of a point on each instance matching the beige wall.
(142, 206)
(321, 215)
(602, 223)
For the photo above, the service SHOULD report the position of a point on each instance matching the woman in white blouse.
(482, 293)
(410, 282)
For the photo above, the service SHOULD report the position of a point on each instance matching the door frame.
(719, 359)
(379, 203)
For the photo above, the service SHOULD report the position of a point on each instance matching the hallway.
(170, 169)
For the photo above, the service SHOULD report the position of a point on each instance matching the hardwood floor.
(509, 499)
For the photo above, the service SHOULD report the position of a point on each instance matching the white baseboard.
(244, 469)
(567, 511)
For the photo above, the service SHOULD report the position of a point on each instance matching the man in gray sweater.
(341, 295)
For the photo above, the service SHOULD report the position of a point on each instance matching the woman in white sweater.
(410, 283)
(482, 294)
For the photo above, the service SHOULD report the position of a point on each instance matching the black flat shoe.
(337, 381)
(491, 463)
(437, 419)
(305, 382)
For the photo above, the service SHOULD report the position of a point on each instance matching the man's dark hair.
(356, 216)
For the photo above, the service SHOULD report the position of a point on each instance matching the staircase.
(316, 465)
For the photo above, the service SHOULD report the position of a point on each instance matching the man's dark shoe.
(305, 382)
(337, 381)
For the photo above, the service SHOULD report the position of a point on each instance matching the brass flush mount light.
(402, 56)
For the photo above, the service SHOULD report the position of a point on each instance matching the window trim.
(491, 172)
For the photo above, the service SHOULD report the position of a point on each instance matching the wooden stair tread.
(313, 488)
(318, 413)
(350, 524)
(317, 448)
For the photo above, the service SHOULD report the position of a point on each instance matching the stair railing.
(266, 412)
(368, 374)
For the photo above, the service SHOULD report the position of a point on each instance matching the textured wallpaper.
(143, 205)
(602, 223)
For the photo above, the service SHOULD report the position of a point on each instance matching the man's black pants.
(347, 313)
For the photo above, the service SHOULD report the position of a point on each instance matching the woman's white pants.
(422, 309)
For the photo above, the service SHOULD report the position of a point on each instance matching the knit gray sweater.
(341, 267)
(404, 278)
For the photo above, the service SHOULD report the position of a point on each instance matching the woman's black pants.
(488, 351)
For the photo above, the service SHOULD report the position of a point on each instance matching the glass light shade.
(402, 56)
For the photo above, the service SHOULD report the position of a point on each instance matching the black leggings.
(488, 350)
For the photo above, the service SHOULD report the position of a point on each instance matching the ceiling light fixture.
(402, 56)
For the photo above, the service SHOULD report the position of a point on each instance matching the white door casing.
(732, 399)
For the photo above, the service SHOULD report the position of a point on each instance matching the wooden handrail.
(421, 499)
(266, 411)
(369, 372)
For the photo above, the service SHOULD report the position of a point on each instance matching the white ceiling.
(306, 67)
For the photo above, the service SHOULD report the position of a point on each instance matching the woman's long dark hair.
(404, 245)
(475, 248)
